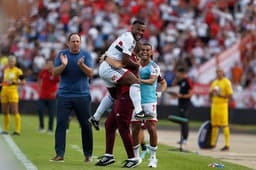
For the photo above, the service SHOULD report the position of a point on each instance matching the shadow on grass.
(179, 150)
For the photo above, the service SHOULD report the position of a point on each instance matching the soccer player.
(48, 85)
(119, 118)
(144, 148)
(74, 66)
(220, 93)
(149, 73)
(13, 77)
(113, 73)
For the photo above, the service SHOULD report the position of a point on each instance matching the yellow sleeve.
(229, 87)
(19, 72)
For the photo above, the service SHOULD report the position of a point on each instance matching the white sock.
(105, 103)
(136, 150)
(135, 97)
(153, 152)
(133, 159)
(107, 154)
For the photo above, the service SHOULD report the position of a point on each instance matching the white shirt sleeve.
(128, 43)
(155, 70)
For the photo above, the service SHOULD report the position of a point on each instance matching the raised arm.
(59, 69)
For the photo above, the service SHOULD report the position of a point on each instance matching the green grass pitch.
(39, 148)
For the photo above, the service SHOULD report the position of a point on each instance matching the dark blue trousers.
(82, 108)
(49, 105)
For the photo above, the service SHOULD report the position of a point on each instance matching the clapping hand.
(80, 61)
(64, 59)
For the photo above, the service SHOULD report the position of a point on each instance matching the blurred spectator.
(249, 78)
(169, 75)
(3, 62)
(30, 76)
(48, 85)
(237, 72)
(197, 100)
(38, 63)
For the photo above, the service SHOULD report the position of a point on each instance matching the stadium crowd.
(180, 31)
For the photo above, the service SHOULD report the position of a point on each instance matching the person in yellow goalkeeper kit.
(13, 77)
(220, 93)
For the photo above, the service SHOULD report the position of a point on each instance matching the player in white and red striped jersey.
(113, 73)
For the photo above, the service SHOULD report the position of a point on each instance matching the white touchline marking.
(17, 152)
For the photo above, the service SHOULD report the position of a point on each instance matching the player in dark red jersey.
(119, 118)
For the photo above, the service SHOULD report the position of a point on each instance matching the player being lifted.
(113, 73)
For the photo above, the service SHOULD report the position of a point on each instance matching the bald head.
(12, 61)
(220, 72)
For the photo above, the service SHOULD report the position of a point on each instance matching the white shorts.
(150, 108)
(110, 75)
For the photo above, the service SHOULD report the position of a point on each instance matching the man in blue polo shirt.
(75, 68)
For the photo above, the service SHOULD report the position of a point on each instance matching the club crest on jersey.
(119, 46)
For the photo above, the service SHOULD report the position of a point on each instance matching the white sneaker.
(182, 142)
(132, 163)
(152, 163)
